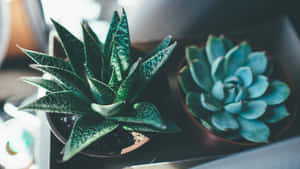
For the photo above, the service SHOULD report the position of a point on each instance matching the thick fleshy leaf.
(201, 74)
(258, 87)
(108, 110)
(234, 108)
(94, 36)
(275, 114)
(217, 91)
(93, 55)
(196, 53)
(241, 94)
(231, 94)
(245, 75)
(114, 83)
(73, 48)
(224, 121)
(277, 93)
(101, 91)
(254, 130)
(192, 100)
(258, 62)
(171, 128)
(206, 124)
(59, 102)
(186, 81)
(214, 48)
(128, 86)
(254, 109)
(116, 65)
(49, 85)
(217, 69)
(162, 45)
(232, 79)
(236, 57)
(145, 113)
(86, 130)
(43, 59)
(210, 103)
(227, 43)
(69, 80)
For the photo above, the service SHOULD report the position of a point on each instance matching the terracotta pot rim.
(247, 144)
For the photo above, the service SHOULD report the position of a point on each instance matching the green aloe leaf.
(43, 59)
(214, 48)
(258, 87)
(234, 108)
(254, 109)
(67, 78)
(93, 55)
(114, 83)
(73, 48)
(277, 93)
(86, 130)
(171, 128)
(224, 121)
(217, 91)
(116, 65)
(258, 62)
(200, 71)
(276, 114)
(193, 100)
(162, 45)
(217, 69)
(236, 57)
(95, 37)
(101, 91)
(49, 85)
(108, 110)
(145, 113)
(210, 103)
(245, 75)
(59, 102)
(254, 130)
(186, 81)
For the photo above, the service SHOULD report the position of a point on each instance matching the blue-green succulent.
(229, 89)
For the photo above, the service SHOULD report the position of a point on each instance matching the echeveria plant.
(227, 88)
(100, 82)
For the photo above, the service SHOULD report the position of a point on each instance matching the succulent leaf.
(196, 53)
(234, 108)
(217, 69)
(224, 121)
(257, 61)
(214, 48)
(171, 128)
(217, 91)
(73, 48)
(245, 75)
(258, 87)
(254, 109)
(201, 74)
(108, 110)
(254, 130)
(210, 103)
(86, 130)
(48, 85)
(192, 100)
(276, 114)
(241, 94)
(230, 95)
(186, 81)
(59, 102)
(277, 93)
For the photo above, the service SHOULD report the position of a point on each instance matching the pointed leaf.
(186, 81)
(224, 121)
(43, 59)
(59, 102)
(218, 91)
(101, 92)
(234, 108)
(146, 113)
(93, 34)
(108, 110)
(254, 130)
(258, 87)
(86, 130)
(162, 45)
(193, 102)
(254, 109)
(227, 43)
(214, 48)
(236, 57)
(171, 128)
(245, 75)
(116, 64)
(73, 48)
(258, 62)
(210, 103)
(276, 114)
(49, 85)
(277, 93)
(114, 83)
(217, 69)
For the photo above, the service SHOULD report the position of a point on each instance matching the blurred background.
(27, 23)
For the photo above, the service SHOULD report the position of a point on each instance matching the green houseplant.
(229, 90)
(101, 84)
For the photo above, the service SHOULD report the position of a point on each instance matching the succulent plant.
(230, 91)
(100, 83)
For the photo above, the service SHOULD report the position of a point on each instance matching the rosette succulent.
(100, 83)
(230, 91)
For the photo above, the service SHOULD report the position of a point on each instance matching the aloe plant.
(100, 83)
(230, 91)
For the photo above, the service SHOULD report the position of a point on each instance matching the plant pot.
(117, 143)
(217, 144)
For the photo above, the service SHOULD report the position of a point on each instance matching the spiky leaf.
(254, 109)
(86, 130)
(224, 121)
(108, 110)
(258, 87)
(171, 128)
(277, 93)
(162, 45)
(49, 85)
(101, 91)
(276, 114)
(258, 62)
